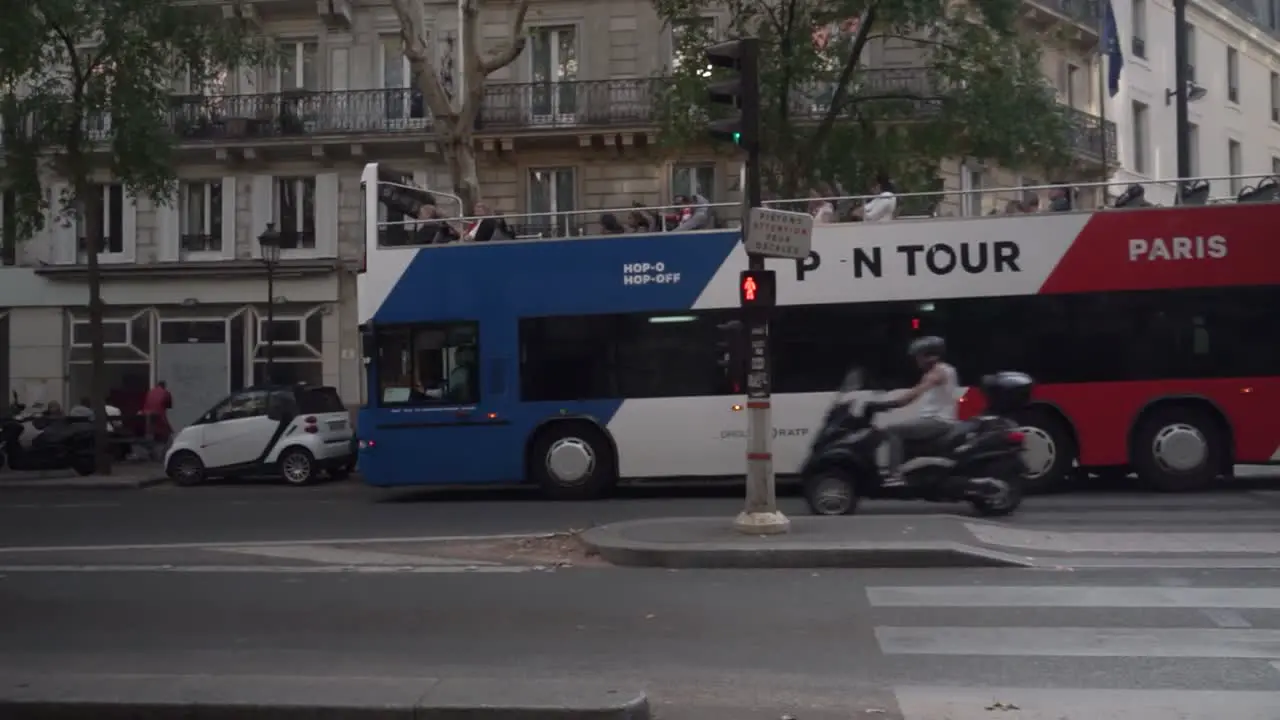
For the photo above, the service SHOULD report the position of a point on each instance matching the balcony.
(1089, 136)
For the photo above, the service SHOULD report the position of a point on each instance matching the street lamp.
(270, 242)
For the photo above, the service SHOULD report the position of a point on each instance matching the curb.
(757, 554)
(195, 697)
(81, 483)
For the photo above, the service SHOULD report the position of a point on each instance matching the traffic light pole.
(760, 515)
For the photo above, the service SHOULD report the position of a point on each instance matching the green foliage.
(977, 90)
(66, 63)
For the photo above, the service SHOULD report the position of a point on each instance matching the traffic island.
(164, 697)
(904, 541)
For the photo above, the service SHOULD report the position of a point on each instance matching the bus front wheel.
(573, 461)
(1179, 449)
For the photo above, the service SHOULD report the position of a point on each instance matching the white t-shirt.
(825, 213)
(940, 400)
(881, 208)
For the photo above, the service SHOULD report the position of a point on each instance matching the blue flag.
(1115, 56)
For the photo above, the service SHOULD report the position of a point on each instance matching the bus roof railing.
(911, 207)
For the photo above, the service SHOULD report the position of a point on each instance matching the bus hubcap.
(1180, 448)
(1039, 452)
(570, 461)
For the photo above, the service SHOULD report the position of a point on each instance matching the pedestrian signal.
(757, 288)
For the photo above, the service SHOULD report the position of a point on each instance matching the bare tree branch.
(413, 30)
(511, 49)
(842, 83)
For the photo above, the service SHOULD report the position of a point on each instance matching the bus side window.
(429, 363)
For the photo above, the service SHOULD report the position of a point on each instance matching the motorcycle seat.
(945, 441)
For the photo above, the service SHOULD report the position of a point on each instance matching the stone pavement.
(908, 541)
(124, 476)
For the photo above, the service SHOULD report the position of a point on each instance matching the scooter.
(978, 461)
(58, 446)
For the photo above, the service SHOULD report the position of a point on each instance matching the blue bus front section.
(495, 285)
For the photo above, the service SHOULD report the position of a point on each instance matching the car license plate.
(338, 425)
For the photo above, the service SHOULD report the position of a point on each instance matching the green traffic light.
(737, 138)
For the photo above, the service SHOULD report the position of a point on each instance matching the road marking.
(1080, 642)
(272, 569)
(322, 555)
(1077, 597)
(14, 549)
(58, 506)
(1191, 543)
(1225, 618)
(968, 703)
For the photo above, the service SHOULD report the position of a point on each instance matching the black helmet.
(930, 345)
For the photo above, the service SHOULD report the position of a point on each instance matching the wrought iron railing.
(579, 104)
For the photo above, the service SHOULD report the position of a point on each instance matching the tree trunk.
(89, 200)
(460, 154)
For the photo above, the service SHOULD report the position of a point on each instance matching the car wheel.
(573, 461)
(1178, 449)
(297, 466)
(185, 469)
(84, 467)
(1049, 452)
(831, 492)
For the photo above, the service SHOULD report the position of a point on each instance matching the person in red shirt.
(155, 410)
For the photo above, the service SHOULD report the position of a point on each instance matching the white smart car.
(296, 433)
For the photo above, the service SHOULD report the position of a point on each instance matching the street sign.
(778, 233)
(759, 384)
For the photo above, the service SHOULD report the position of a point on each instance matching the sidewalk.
(919, 541)
(124, 476)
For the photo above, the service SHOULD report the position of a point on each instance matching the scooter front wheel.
(831, 493)
(1000, 503)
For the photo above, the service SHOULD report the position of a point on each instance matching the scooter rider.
(938, 393)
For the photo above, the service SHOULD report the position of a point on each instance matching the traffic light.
(757, 288)
(731, 354)
(741, 57)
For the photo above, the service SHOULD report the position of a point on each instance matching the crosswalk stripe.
(1040, 596)
(966, 703)
(1080, 642)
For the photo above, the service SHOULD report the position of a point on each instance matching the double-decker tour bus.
(576, 362)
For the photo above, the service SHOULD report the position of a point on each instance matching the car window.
(249, 403)
(283, 403)
(319, 400)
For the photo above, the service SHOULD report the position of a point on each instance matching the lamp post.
(270, 242)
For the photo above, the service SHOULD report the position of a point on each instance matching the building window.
(294, 212)
(684, 34)
(553, 67)
(1275, 165)
(1139, 45)
(1275, 97)
(297, 66)
(111, 218)
(1233, 75)
(8, 230)
(1193, 149)
(971, 184)
(1191, 52)
(403, 100)
(200, 214)
(552, 200)
(297, 340)
(1140, 138)
(1069, 82)
(1235, 165)
(127, 350)
(691, 180)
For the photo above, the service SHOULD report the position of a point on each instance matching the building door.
(193, 360)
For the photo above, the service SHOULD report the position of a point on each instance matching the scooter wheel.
(831, 493)
(1000, 504)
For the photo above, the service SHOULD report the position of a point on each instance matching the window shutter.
(167, 238)
(229, 218)
(327, 214)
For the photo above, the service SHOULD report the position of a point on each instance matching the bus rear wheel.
(1178, 449)
(573, 461)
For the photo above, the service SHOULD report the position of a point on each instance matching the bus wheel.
(1048, 451)
(573, 461)
(1178, 449)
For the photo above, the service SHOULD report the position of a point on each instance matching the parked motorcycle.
(978, 461)
(31, 441)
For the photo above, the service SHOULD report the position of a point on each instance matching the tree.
(826, 116)
(65, 64)
(454, 118)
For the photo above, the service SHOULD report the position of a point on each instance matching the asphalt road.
(921, 645)
(255, 513)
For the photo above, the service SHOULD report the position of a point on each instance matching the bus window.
(431, 363)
